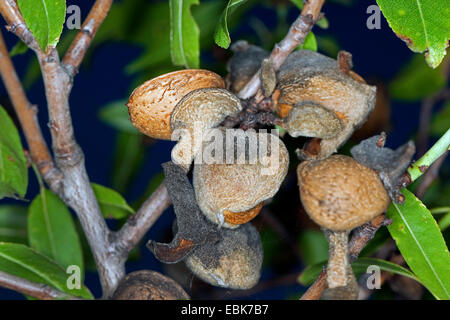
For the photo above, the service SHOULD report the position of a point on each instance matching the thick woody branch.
(295, 36)
(138, 224)
(361, 237)
(33, 289)
(27, 115)
(77, 50)
(76, 190)
(16, 24)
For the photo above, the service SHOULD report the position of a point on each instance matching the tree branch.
(16, 24)
(431, 175)
(295, 36)
(361, 236)
(75, 188)
(77, 50)
(27, 115)
(33, 289)
(139, 223)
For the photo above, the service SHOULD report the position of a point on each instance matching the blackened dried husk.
(390, 164)
(244, 63)
(192, 227)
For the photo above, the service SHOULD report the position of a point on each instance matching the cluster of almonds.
(311, 96)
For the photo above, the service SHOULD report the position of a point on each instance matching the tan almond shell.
(239, 263)
(199, 110)
(207, 106)
(221, 188)
(151, 104)
(148, 285)
(307, 75)
(309, 119)
(339, 193)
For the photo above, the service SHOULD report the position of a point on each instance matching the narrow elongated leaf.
(310, 43)
(24, 262)
(51, 230)
(421, 243)
(129, 152)
(18, 49)
(441, 121)
(116, 115)
(359, 267)
(13, 224)
(313, 246)
(423, 24)
(444, 222)
(222, 35)
(184, 34)
(416, 80)
(13, 167)
(45, 19)
(112, 204)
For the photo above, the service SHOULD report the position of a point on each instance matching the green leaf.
(310, 273)
(24, 262)
(441, 121)
(222, 35)
(323, 23)
(13, 165)
(51, 230)
(310, 43)
(444, 222)
(416, 81)
(313, 246)
(271, 246)
(298, 3)
(421, 243)
(112, 204)
(129, 152)
(423, 24)
(359, 267)
(18, 49)
(184, 34)
(13, 224)
(45, 19)
(154, 183)
(116, 115)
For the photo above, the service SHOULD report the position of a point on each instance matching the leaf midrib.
(20, 263)
(48, 21)
(180, 30)
(419, 6)
(420, 247)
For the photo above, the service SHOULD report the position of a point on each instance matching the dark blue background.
(375, 53)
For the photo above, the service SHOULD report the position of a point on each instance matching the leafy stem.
(439, 148)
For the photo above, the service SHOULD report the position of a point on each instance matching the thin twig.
(431, 175)
(361, 236)
(139, 223)
(77, 50)
(12, 16)
(295, 36)
(33, 289)
(27, 114)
